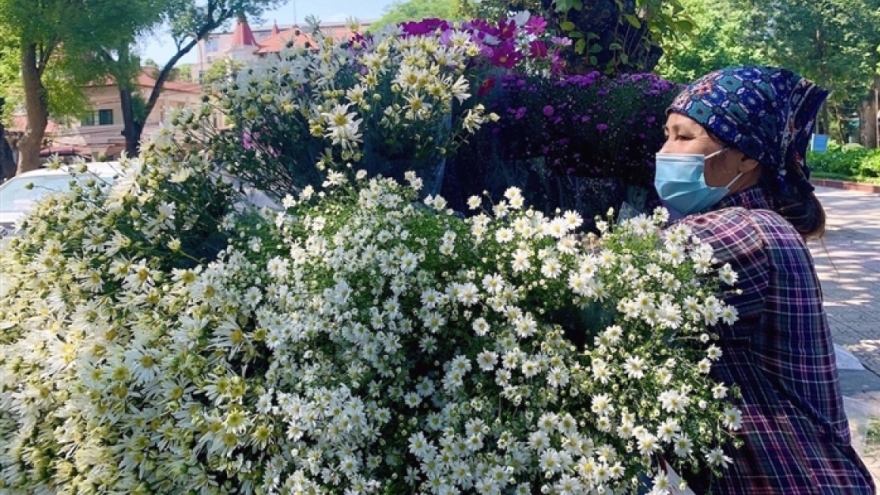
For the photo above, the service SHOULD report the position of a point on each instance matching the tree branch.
(45, 52)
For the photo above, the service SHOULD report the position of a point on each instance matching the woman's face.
(684, 135)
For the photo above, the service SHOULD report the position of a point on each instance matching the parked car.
(17, 196)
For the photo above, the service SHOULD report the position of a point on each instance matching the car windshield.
(16, 196)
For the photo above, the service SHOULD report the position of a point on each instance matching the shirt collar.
(752, 198)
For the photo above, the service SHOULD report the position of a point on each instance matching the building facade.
(99, 136)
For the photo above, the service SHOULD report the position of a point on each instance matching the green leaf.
(684, 25)
(595, 48)
(615, 46)
(633, 20)
(567, 25)
(566, 5)
(580, 46)
(593, 60)
(575, 35)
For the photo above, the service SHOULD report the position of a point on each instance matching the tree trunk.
(868, 117)
(132, 128)
(867, 123)
(37, 107)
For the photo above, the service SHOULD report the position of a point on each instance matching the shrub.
(846, 162)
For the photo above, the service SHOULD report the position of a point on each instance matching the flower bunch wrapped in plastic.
(357, 342)
(401, 95)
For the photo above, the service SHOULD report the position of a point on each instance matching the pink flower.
(561, 41)
(535, 25)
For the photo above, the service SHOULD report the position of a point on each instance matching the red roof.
(275, 29)
(82, 151)
(243, 36)
(147, 81)
(19, 124)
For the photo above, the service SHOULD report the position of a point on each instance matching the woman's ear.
(747, 165)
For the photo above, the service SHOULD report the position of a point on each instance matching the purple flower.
(521, 111)
(548, 110)
(423, 27)
(602, 127)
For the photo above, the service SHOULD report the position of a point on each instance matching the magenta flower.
(548, 110)
(423, 27)
(602, 127)
(535, 25)
(538, 49)
(504, 55)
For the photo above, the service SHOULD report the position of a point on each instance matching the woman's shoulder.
(737, 232)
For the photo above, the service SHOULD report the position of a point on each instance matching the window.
(88, 119)
(212, 45)
(105, 117)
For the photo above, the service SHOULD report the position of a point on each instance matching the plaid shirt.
(780, 355)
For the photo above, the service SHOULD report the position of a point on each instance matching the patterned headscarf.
(766, 112)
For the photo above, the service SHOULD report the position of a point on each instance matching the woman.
(742, 185)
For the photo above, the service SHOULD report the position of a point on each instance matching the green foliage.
(198, 18)
(65, 35)
(10, 82)
(413, 10)
(715, 42)
(833, 42)
(847, 162)
(221, 70)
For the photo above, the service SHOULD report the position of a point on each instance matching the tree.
(220, 71)
(715, 42)
(190, 21)
(414, 10)
(832, 42)
(9, 79)
(56, 39)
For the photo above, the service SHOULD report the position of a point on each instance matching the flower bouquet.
(359, 341)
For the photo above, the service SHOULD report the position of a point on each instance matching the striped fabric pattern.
(781, 356)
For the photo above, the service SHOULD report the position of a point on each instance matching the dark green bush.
(845, 162)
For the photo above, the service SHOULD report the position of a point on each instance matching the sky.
(160, 48)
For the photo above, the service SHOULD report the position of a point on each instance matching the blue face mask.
(681, 182)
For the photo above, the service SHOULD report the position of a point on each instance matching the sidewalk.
(848, 264)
